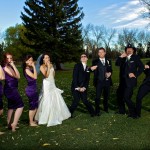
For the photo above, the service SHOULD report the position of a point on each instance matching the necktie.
(103, 62)
(127, 59)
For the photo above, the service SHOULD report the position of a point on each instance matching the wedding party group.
(49, 107)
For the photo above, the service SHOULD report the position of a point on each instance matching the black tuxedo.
(125, 89)
(101, 83)
(143, 90)
(81, 79)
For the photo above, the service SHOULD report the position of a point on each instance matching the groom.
(81, 77)
(102, 80)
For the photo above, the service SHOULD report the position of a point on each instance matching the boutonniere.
(108, 62)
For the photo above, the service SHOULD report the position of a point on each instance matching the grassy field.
(109, 131)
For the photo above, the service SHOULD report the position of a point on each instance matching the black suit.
(101, 83)
(143, 90)
(126, 86)
(81, 79)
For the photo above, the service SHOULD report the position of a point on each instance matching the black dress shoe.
(92, 115)
(98, 114)
(71, 116)
(121, 113)
(132, 116)
(106, 111)
(138, 116)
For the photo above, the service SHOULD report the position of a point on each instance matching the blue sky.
(111, 13)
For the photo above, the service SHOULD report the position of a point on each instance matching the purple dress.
(31, 92)
(1, 94)
(11, 92)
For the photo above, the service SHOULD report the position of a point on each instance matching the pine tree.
(54, 26)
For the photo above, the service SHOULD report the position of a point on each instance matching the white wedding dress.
(52, 109)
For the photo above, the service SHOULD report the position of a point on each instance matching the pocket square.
(131, 61)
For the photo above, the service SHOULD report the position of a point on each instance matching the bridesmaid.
(11, 91)
(30, 74)
(2, 77)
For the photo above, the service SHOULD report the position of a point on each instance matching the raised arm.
(46, 70)
(12, 70)
(2, 75)
(32, 74)
(120, 59)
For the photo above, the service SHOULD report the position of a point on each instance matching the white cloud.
(123, 14)
(140, 23)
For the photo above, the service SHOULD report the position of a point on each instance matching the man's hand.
(77, 89)
(82, 89)
(108, 74)
(131, 75)
(93, 68)
(123, 55)
(147, 67)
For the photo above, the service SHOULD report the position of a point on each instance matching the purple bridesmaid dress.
(31, 92)
(1, 94)
(11, 92)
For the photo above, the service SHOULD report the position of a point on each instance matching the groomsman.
(80, 82)
(143, 90)
(102, 80)
(130, 68)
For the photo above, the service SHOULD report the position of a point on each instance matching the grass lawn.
(109, 131)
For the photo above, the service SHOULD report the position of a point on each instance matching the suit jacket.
(80, 77)
(147, 73)
(99, 73)
(134, 65)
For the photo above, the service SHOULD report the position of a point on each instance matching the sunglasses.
(84, 56)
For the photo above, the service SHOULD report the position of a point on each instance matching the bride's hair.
(42, 57)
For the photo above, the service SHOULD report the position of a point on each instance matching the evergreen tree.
(54, 26)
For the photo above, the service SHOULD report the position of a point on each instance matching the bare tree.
(146, 12)
(86, 31)
(143, 37)
(98, 33)
(127, 36)
(108, 35)
(86, 35)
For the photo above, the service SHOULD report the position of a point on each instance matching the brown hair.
(84, 54)
(101, 48)
(27, 57)
(4, 60)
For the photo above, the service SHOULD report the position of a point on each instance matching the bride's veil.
(38, 64)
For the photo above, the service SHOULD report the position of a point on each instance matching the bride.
(52, 109)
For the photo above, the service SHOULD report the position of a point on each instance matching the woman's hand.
(33, 64)
(12, 63)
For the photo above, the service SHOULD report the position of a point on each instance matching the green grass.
(109, 131)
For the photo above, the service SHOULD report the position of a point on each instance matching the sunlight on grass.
(109, 131)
